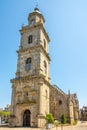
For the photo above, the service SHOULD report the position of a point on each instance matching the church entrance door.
(26, 118)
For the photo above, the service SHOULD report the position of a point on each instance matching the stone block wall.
(58, 103)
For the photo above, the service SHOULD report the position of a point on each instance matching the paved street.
(81, 126)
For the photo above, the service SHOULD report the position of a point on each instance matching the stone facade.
(32, 94)
(61, 103)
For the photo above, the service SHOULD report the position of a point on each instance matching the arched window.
(45, 67)
(28, 64)
(44, 43)
(60, 102)
(30, 39)
(32, 21)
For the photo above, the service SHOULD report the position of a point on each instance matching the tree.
(63, 119)
(4, 113)
(49, 117)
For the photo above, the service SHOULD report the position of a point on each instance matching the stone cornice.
(24, 79)
(44, 79)
(36, 13)
(48, 83)
(34, 48)
(27, 78)
(27, 28)
(28, 49)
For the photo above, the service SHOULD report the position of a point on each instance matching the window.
(32, 21)
(44, 44)
(25, 94)
(45, 67)
(46, 93)
(30, 39)
(28, 64)
(60, 102)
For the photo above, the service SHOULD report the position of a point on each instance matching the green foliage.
(4, 113)
(75, 122)
(63, 119)
(49, 118)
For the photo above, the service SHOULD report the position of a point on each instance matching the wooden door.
(26, 118)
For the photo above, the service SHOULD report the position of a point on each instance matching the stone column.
(71, 114)
(41, 118)
(12, 117)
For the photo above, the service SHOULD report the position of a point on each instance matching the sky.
(66, 25)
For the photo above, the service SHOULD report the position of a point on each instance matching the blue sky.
(66, 24)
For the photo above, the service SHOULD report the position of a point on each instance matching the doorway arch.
(26, 118)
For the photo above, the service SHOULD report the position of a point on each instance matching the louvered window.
(30, 39)
(28, 64)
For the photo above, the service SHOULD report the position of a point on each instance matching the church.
(33, 96)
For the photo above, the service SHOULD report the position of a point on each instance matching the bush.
(63, 119)
(75, 122)
(4, 113)
(49, 118)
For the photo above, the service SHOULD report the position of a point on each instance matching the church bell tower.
(31, 85)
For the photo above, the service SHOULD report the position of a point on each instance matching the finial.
(36, 8)
(36, 4)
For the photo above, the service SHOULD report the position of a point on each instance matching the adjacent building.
(5, 114)
(33, 96)
(83, 113)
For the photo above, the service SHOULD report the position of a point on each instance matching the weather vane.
(36, 1)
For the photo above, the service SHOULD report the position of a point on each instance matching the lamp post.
(56, 123)
(61, 126)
